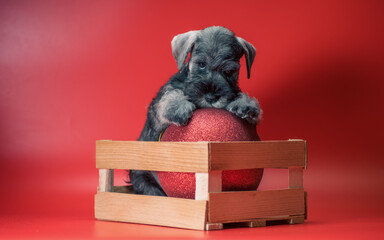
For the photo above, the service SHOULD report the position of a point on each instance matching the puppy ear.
(250, 53)
(181, 45)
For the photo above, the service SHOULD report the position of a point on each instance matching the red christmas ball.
(210, 124)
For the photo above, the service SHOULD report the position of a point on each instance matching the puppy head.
(183, 44)
(213, 67)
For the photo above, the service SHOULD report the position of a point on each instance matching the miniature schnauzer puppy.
(208, 79)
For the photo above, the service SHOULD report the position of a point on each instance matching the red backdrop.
(72, 72)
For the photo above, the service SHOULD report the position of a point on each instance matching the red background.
(72, 72)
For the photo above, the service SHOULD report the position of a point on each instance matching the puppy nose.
(211, 98)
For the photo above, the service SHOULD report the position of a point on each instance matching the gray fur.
(208, 79)
(182, 45)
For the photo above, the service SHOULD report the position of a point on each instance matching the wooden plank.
(201, 183)
(213, 226)
(295, 177)
(262, 222)
(262, 154)
(154, 156)
(247, 205)
(296, 219)
(207, 182)
(215, 181)
(105, 180)
(163, 211)
(257, 223)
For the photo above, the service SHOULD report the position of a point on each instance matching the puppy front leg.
(143, 182)
(175, 108)
(172, 106)
(246, 107)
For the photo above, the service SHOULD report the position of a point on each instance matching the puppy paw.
(180, 113)
(175, 108)
(246, 108)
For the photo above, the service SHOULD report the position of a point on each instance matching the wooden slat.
(295, 177)
(106, 180)
(201, 186)
(296, 219)
(154, 156)
(257, 223)
(264, 154)
(262, 222)
(213, 226)
(164, 211)
(205, 183)
(242, 206)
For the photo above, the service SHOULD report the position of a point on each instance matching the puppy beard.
(210, 95)
(221, 103)
(209, 89)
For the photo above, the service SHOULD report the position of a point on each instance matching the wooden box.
(211, 207)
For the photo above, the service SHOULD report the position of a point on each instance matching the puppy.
(208, 79)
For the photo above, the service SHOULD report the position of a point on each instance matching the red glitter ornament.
(210, 124)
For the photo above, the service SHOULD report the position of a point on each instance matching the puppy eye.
(229, 72)
(202, 65)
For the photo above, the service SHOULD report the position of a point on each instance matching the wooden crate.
(211, 207)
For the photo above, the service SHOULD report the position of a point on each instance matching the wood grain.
(154, 156)
(201, 186)
(295, 175)
(105, 180)
(207, 160)
(207, 182)
(242, 206)
(262, 222)
(296, 219)
(213, 226)
(163, 211)
(199, 156)
(263, 154)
